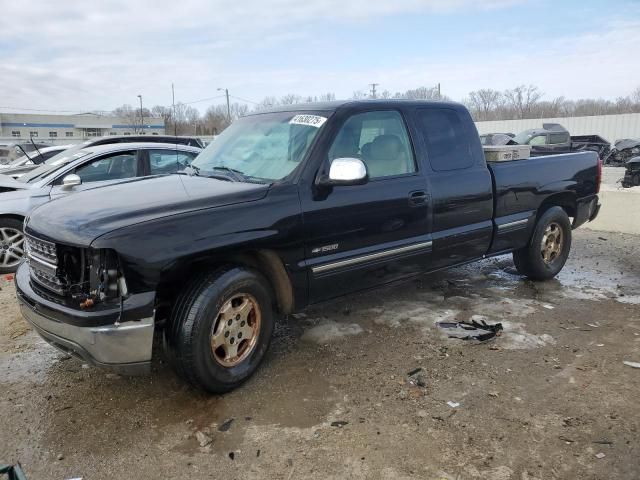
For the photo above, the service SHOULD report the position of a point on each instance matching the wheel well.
(20, 218)
(565, 200)
(267, 262)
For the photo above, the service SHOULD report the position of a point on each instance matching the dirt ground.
(549, 399)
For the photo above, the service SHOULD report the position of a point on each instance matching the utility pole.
(439, 96)
(173, 102)
(373, 89)
(226, 92)
(141, 115)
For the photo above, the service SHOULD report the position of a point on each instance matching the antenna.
(34, 146)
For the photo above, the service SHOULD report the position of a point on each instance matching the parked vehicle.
(33, 159)
(622, 151)
(111, 139)
(553, 138)
(632, 173)
(287, 208)
(8, 153)
(489, 139)
(84, 169)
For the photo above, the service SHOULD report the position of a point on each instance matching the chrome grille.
(43, 264)
(42, 250)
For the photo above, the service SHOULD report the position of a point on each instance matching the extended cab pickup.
(287, 208)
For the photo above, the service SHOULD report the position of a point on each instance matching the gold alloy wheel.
(552, 242)
(235, 331)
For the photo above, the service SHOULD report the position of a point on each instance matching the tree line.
(523, 101)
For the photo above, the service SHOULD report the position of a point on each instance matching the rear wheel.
(11, 244)
(220, 328)
(549, 247)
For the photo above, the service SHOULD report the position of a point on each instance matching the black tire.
(187, 337)
(8, 224)
(529, 260)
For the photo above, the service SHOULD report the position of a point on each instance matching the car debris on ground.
(473, 330)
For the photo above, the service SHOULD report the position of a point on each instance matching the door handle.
(418, 198)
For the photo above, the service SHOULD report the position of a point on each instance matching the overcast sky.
(80, 56)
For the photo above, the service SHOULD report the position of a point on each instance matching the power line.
(202, 100)
(244, 100)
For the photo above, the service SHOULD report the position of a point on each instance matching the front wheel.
(549, 247)
(220, 328)
(11, 244)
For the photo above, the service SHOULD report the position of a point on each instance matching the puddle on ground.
(328, 331)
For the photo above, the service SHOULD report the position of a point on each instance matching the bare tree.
(131, 116)
(484, 103)
(290, 99)
(522, 99)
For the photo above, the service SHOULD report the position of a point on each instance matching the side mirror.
(347, 171)
(70, 181)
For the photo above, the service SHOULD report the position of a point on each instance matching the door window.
(110, 167)
(555, 138)
(168, 161)
(380, 139)
(448, 143)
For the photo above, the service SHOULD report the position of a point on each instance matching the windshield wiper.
(237, 175)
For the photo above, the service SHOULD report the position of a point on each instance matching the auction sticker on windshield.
(310, 120)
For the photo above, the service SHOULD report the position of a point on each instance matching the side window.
(110, 167)
(168, 161)
(538, 140)
(555, 138)
(448, 143)
(380, 139)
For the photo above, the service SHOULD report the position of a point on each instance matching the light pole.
(226, 92)
(141, 115)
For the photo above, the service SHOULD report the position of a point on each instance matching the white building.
(59, 127)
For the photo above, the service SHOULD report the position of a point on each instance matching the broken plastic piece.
(474, 330)
(632, 364)
(453, 404)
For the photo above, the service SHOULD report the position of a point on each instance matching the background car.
(111, 139)
(33, 159)
(77, 170)
(11, 151)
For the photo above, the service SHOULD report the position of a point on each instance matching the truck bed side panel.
(521, 186)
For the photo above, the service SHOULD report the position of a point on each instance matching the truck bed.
(521, 186)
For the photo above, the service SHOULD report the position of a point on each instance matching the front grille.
(43, 264)
(42, 249)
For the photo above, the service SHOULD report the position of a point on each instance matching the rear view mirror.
(348, 171)
(70, 181)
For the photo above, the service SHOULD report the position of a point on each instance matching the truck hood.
(80, 218)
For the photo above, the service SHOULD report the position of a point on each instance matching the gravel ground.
(549, 399)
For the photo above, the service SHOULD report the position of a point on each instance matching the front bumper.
(124, 347)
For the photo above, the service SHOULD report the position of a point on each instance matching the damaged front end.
(632, 173)
(622, 152)
(77, 299)
(80, 277)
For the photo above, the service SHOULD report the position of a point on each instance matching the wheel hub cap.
(12, 247)
(235, 330)
(552, 242)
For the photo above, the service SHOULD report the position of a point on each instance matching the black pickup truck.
(287, 208)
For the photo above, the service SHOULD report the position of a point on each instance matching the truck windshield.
(265, 147)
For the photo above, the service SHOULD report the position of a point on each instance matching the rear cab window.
(446, 138)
